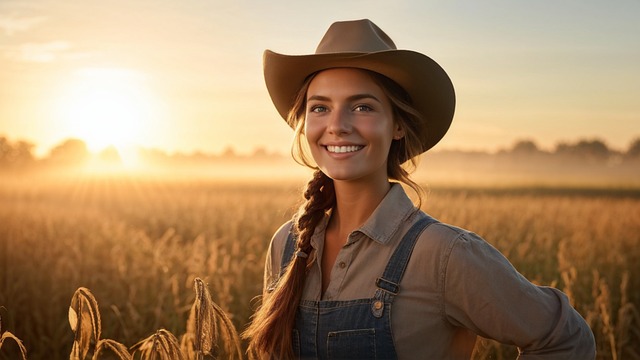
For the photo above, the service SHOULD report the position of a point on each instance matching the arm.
(483, 292)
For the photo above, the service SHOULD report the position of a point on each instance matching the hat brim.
(428, 85)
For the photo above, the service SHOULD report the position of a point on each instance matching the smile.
(343, 149)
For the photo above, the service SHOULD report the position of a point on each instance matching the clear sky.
(186, 75)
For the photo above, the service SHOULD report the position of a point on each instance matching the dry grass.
(139, 245)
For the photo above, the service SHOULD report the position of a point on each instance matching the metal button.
(342, 265)
(377, 305)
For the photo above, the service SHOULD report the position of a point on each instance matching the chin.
(341, 174)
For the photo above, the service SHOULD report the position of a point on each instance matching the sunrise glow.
(108, 107)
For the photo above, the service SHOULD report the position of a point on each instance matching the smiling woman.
(108, 107)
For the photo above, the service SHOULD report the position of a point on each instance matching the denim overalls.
(353, 329)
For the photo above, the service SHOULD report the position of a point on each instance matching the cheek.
(312, 131)
(381, 133)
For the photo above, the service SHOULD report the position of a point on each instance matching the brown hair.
(270, 331)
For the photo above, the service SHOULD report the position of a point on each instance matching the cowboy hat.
(363, 45)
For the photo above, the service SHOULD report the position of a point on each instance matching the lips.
(343, 149)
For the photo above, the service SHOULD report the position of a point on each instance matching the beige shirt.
(456, 285)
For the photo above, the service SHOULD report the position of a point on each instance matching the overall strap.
(287, 255)
(390, 280)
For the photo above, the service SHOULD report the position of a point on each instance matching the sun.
(108, 107)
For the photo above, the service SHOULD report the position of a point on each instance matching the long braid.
(270, 332)
(320, 196)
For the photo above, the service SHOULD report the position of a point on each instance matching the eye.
(363, 108)
(318, 108)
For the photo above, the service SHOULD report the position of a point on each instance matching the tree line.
(19, 154)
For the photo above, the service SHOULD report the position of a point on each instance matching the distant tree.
(589, 149)
(595, 148)
(563, 148)
(110, 155)
(153, 156)
(200, 156)
(228, 152)
(15, 154)
(525, 147)
(69, 152)
(634, 149)
(260, 152)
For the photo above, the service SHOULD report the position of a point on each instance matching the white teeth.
(343, 149)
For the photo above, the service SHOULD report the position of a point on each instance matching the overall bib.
(353, 329)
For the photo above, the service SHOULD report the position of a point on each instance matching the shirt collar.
(383, 223)
(387, 217)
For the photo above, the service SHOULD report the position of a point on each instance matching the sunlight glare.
(108, 107)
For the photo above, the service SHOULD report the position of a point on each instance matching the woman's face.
(349, 125)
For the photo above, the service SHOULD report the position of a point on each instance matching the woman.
(360, 272)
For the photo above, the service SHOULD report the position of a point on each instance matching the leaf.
(8, 335)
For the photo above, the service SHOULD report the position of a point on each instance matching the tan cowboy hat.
(361, 44)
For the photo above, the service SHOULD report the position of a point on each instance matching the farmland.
(139, 242)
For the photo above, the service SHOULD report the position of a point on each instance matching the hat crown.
(358, 36)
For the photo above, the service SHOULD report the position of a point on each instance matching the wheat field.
(139, 243)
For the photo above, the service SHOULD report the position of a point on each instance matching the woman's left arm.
(485, 293)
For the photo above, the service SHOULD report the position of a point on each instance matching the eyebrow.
(354, 97)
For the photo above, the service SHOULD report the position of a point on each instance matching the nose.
(339, 123)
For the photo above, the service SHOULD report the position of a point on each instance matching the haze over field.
(583, 163)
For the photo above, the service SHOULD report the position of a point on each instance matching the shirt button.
(342, 265)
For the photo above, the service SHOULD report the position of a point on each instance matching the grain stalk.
(628, 314)
(207, 326)
(84, 318)
(162, 345)
(117, 348)
(8, 335)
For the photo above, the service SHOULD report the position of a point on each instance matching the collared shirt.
(456, 286)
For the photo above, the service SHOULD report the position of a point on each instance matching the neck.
(355, 202)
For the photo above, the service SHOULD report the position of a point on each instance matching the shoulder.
(274, 253)
(446, 235)
(279, 238)
(454, 248)
(439, 235)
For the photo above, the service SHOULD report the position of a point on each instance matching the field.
(138, 244)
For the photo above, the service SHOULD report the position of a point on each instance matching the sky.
(186, 76)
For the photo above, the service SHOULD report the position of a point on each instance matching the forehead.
(343, 81)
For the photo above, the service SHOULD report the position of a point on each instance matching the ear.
(398, 132)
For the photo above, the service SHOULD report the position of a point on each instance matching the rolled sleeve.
(484, 292)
